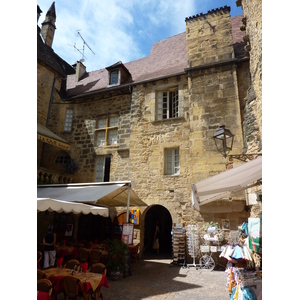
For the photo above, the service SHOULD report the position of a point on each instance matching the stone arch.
(150, 216)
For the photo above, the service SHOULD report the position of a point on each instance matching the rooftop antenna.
(79, 50)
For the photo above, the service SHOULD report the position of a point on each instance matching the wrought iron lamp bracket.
(244, 157)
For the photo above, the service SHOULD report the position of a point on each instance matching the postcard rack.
(178, 244)
(193, 244)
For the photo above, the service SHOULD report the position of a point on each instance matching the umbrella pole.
(128, 203)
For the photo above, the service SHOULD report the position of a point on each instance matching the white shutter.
(159, 105)
(100, 167)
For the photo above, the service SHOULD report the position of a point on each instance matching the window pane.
(114, 77)
(172, 162)
(175, 104)
(101, 138)
(113, 121)
(102, 123)
(113, 137)
(68, 120)
(100, 169)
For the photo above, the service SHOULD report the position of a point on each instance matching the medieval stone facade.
(154, 124)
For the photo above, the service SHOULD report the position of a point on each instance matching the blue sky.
(119, 30)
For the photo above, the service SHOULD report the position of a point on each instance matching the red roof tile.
(167, 57)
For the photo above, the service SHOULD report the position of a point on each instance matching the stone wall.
(82, 138)
(252, 10)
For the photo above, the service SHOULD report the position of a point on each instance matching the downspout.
(129, 185)
(48, 116)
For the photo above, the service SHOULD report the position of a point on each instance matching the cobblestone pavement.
(159, 279)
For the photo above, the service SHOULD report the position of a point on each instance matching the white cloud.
(116, 29)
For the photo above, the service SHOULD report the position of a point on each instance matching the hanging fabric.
(248, 293)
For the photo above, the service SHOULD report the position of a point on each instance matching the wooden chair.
(39, 258)
(100, 269)
(40, 274)
(71, 264)
(95, 256)
(135, 253)
(74, 289)
(45, 285)
(84, 254)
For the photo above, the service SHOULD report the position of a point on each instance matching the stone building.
(152, 121)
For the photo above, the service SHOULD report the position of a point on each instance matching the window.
(172, 162)
(167, 105)
(102, 169)
(114, 77)
(68, 120)
(107, 131)
(63, 158)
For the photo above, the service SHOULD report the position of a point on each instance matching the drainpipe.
(48, 116)
(129, 185)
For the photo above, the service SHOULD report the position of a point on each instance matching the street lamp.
(224, 140)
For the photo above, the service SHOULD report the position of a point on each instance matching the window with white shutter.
(172, 161)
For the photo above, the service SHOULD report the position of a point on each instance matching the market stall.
(244, 262)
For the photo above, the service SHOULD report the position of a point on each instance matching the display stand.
(193, 244)
(178, 243)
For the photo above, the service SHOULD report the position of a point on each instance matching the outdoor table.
(43, 296)
(89, 280)
(67, 250)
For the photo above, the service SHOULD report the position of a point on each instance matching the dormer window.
(114, 77)
(118, 74)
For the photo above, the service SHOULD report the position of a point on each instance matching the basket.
(204, 248)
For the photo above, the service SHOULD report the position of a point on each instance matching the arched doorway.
(160, 213)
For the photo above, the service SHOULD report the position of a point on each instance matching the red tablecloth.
(43, 296)
(55, 275)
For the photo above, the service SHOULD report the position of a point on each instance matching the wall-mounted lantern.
(224, 140)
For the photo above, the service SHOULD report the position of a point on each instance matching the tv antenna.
(81, 51)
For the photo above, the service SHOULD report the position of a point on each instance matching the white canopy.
(227, 183)
(70, 207)
(110, 194)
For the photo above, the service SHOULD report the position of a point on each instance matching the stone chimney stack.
(48, 26)
(80, 70)
(209, 37)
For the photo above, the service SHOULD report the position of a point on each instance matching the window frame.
(167, 104)
(106, 161)
(172, 155)
(68, 120)
(106, 132)
(112, 81)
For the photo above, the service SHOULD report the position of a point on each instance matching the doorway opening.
(161, 214)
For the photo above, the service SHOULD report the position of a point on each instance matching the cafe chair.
(45, 285)
(135, 253)
(74, 289)
(84, 254)
(39, 258)
(95, 256)
(71, 264)
(40, 274)
(100, 269)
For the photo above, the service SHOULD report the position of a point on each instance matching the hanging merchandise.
(248, 293)
(231, 282)
(254, 228)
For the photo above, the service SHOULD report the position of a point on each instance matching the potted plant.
(116, 257)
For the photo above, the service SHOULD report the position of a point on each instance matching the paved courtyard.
(157, 279)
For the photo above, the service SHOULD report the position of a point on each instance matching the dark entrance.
(160, 213)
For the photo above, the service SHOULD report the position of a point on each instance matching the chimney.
(48, 26)
(80, 70)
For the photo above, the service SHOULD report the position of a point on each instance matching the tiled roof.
(46, 55)
(167, 57)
